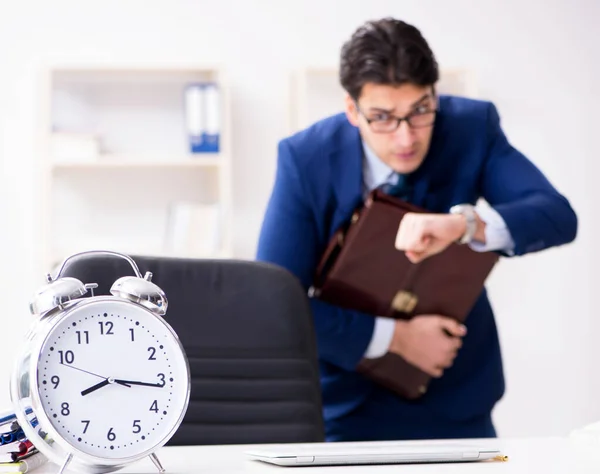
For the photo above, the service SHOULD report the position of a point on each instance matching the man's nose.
(404, 136)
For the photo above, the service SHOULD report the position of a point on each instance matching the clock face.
(112, 379)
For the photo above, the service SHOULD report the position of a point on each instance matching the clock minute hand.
(145, 384)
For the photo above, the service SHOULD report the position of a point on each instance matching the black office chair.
(247, 330)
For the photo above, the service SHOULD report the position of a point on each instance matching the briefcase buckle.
(405, 301)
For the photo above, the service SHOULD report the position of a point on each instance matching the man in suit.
(441, 153)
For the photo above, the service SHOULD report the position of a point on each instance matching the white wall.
(537, 59)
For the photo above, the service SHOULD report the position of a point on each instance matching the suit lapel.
(347, 169)
(426, 175)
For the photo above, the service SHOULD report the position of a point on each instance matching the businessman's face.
(402, 147)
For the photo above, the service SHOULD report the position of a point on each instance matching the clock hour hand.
(145, 384)
(104, 383)
(93, 388)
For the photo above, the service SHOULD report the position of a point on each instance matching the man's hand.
(424, 342)
(423, 235)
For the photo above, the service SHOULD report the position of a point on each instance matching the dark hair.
(386, 51)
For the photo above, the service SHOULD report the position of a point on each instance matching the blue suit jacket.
(318, 185)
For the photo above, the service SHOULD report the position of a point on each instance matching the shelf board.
(204, 160)
(140, 67)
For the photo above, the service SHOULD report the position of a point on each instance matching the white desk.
(526, 456)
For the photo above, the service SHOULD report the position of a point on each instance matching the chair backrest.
(248, 333)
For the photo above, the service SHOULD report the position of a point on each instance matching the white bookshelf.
(316, 92)
(122, 198)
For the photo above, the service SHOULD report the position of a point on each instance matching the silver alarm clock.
(101, 381)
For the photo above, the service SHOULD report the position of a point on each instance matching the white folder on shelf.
(193, 230)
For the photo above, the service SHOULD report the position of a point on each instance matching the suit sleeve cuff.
(497, 235)
(383, 332)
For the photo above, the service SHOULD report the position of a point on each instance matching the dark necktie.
(402, 189)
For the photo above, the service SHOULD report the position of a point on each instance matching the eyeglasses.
(420, 118)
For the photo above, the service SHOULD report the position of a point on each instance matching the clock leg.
(157, 463)
(65, 464)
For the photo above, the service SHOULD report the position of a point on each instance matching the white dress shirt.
(497, 236)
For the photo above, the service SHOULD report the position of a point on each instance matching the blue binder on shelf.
(202, 113)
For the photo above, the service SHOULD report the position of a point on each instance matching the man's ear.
(351, 110)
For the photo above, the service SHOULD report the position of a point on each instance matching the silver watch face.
(467, 210)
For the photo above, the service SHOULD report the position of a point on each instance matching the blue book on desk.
(202, 112)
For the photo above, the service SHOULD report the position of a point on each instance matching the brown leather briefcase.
(362, 270)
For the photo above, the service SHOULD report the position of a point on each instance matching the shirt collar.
(376, 172)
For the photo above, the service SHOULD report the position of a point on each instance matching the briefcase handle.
(336, 243)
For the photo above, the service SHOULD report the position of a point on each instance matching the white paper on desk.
(193, 230)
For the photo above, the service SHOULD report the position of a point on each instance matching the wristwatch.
(467, 210)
